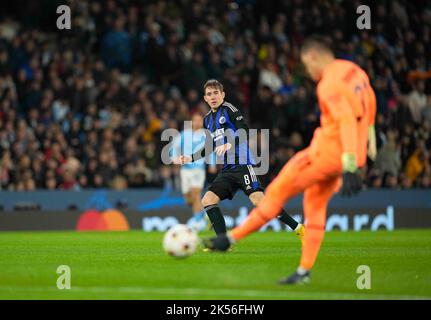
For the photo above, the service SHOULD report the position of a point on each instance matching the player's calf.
(210, 203)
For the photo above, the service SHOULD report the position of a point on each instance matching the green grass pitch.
(132, 265)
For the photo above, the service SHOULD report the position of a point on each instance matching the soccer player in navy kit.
(237, 172)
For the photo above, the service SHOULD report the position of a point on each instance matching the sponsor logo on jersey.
(217, 133)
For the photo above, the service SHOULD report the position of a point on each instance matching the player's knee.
(254, 201)
(209, 199)
(256, 197)
(206, 202)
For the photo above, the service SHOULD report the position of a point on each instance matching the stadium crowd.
(85, 107)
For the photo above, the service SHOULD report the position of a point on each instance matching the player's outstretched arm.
(221, 150)
(182, 160)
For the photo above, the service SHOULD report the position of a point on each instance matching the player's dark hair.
(213, 83)
(318, 43)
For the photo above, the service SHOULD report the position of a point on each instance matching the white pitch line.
(237, 293)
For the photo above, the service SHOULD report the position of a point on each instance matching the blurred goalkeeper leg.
(257, 197)
(292, 180)
(315, 203)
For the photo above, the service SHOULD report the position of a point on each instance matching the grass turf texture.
(132, 265)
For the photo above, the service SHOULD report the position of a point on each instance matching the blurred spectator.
(86, 108)
(116, 46)
(417, 101)
(425, 181)
(119, 183)
(426, 112)
(390, 181)
(417, 162)
(269, 77)
(388, 160)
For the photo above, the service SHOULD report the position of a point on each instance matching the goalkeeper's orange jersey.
(348, 106)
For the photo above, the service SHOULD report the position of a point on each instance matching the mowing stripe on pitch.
(236, 293)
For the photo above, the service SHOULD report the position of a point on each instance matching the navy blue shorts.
(227, 183)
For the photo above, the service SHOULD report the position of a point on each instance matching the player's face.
(214, 97)
(312, 64)
(197, 122)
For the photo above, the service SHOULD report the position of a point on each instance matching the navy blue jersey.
(217, 123)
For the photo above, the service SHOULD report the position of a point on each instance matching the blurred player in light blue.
(192, 175)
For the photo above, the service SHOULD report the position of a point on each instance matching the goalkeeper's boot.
(300, 232)
(296, 278)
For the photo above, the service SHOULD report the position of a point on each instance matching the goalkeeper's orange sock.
(310, 248)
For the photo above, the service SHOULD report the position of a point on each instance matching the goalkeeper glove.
(222, 242)
(351, 180)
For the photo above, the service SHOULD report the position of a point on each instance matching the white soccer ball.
(180, 241)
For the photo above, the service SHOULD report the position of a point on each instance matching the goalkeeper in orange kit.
(337, 151)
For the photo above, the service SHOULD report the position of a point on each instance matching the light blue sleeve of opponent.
(175, 151)
(192, 141)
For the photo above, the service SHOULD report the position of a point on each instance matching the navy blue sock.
(216, 218)
(287, 219)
